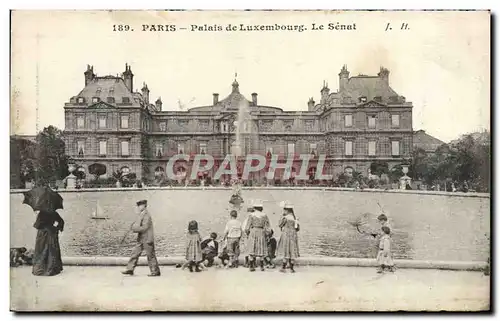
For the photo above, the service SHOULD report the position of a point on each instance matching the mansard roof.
(107, 86)
(369, 87)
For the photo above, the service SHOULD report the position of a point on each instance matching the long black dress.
(47, 257)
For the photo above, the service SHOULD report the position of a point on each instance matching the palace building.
(111, 123)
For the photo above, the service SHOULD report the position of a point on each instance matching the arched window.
(125, 170)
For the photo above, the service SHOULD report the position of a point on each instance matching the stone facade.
(110, 123)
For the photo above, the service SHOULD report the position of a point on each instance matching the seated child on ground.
(210, 249)
(224, 257)
(20, 256)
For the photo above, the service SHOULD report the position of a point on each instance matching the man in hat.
(143, 226)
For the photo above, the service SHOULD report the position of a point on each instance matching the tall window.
(372, 121)
(124, 121)
(395, 120)
(372, 148)
(180, 148)
(103, 146)
(159, 149)
(291, 149)
(203, 148)
(163, 126)
(80, 122)
(312, 148)
(124, 145)
(348, 148)
(102, 121)
(348, 120)
(80, 147)
(395, 148)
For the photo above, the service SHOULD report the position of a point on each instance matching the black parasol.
(43, 199)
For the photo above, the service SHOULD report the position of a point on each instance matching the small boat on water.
(97, 214)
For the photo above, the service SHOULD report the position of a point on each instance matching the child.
(384, 256)
(232, 235)
(271, 251)
(193, 247)
(382, 219)
(210, 249)
(224, 257)
(20, 256)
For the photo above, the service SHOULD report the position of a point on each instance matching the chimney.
(254, 99)
(384, 74)
(128, 78)
(324, 92)
(158, 103)
(145, 93)
(310, 104)
(216, 99)
(343, 78)
(89, 74)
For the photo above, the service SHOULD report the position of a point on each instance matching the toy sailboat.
(97, 214)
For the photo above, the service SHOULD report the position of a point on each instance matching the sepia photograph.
(242, 161)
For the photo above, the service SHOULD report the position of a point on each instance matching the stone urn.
(71, 179)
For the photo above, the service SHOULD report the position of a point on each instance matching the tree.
(396, 173)
(97, 169)
(419, 164)
(379, 167)
(51, 162)
(22, 160)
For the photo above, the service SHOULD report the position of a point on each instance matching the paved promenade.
(311, 288)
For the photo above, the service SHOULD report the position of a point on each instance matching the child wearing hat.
(257, 228)
(194, 255)
(143, 226)
(288, 245)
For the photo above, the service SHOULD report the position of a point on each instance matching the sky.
(440, 61)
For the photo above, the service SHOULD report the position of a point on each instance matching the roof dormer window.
(362, 99)
(111, 100)
(111, 91)
(126, 100)
(96, 99)
(80, 100)
(98, 91)
(377, 98)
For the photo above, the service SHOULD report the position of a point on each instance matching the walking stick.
(126, 233)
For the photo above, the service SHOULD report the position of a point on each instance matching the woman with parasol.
(47, 256)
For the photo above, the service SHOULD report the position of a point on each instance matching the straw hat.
(288, 205)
